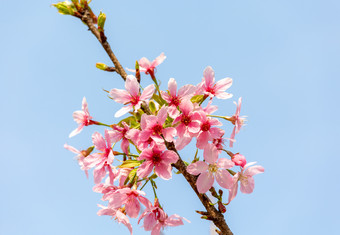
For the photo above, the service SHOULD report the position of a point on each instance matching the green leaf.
(197, 98)
(130, 163)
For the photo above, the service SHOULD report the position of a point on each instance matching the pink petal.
(72, 149)
(123, 111)
(181, 129)
(247, 185)
(163, 170)
(194, 127)
(144, 62)
(204, 182)
(223, 84)
(147, 92)
(98, 175)
(169, 133)
(120, 96)
(98, 141)
(132, 85)
(238, 107)
(187, 90)
(162, 115)
(122, 218)
(254, 170)
(224, 179)
(149, 221)
(172, 87)
(182, 142)
(232, 138)
(197, 168)
(145, 169)
(84, 106)
(169, 157)
(158, 60)
(210, 153)
(209, 76)
(132, 207)
(186, 106)
(223, 95)
(225, 163)
(174, 220)
(156, 230)
(78, 116)
(234, 188)
(202, 139)
(125, 145)
(76, 131)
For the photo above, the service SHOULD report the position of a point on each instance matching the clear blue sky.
(283, 56)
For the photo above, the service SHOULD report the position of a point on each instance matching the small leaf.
(197, 98)
(130, 163)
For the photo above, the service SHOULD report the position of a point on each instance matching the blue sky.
(282, 55)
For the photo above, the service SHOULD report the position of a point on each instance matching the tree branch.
(213, 214)
(86, 18)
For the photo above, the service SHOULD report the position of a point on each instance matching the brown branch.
(86, 18)
(212, 213)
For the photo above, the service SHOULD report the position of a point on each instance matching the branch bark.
(213, 214)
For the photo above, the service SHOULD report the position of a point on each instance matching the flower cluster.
(159, 124)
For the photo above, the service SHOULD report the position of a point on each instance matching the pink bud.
(239, 160)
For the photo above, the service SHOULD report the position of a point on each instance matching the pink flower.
(210, 88)
(155, 219)
(246, 179)
(117, 214)
(82, 117)
(124, 133)
(101, 161)
(152, 127)
(187, 124)
(237, 121)
(174, 99)
(239, 160)
(149, 67)
(207, 132)
(160, 160)
(216, 168)
(131, 95)
(80, 157)
(131, 198)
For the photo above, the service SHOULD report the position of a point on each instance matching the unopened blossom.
(213, 168)
(209, 88)
(131, 97)
(80, 156)
(125, 134)
(155, 219)
(158, 160)
(149, 67)
(131, 198)
(187, 124)
(236, 120)
(152, 127)
(82, 117)
(174, 99)
(239, 159)
(116, 214)
(245, 177)
(207, 131)
(101, 161)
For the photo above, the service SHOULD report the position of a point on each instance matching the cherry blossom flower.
(160, 160)
(125, 134)
(82, 117)
(80, 157)
(236, 120)
(149, 67)
(207, 132)
(210, 88)
(174, 99)
(246, 179)
(155, 219)
(130, 197)
(101, 161)
(187, 124)
(116, 214)
(131, 95)
(152, 127)
(210, 169)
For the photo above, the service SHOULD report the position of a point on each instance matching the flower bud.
(221, 207)
(101, 21)
(65, 8)
(101, 66)
(239, 160)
